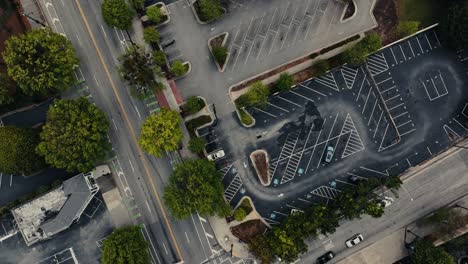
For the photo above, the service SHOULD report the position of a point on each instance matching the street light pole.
(33, 19)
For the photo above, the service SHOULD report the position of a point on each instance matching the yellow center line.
(140, 152)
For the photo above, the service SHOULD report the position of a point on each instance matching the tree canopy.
(126, 245)
(257, 95)
(40, 61)
(369, 44)
(220, 54)
(406, 28)
(426, 253)
(210, 9)
(161, 132)
(139, 70)
(151, 35)
(154, 14)
(17, 155)
(117, 13)
(74, 136)
(6, 86)
(178, 68)
(454, 26)
(197, 144)
(195, 186)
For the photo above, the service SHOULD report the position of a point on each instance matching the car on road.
(325, 257)
(330, 152)
(354, 240)
(216, 155)
(386, 201)
(354, 179)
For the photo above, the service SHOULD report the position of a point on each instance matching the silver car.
(216, 155)
(354, 240)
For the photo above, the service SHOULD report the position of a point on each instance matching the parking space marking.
(233, 188)
(286, 151)
(289, 101)
(349, 75)
(394, 57)
(278, 107)
(428, 42)
(409, 44)
(354, 143)
(419, 43)
(272, 115)
(460, 124)
(402, 52)
(328, 80)
(294, 161)
(310, 89)
(451, 134)
(367, 99)
(328, 139)
(362, 85)
(326, 192)
(315, 145)
(60, 257)
(435, 87)
(300, 95)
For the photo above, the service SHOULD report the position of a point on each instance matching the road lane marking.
(131, 165)
(103, 31)
(186, 236)
(11, 180)
(132, 131)
(113, 122)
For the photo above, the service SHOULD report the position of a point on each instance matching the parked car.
(354, 240)
(386, 201)
(325, 257)
(330, 152)
(354, 179)
(216, 155)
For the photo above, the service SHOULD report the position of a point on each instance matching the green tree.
(40, 62)
(426, 253)
(284, 82)
(257, 95)
(454, 26)
(261, 247)
(445, 221)
(126, 245)
(6, 87)
(321, 67)
(139, 70)
(178, 68)
(196, 145)
(151, 35)
(117, 13)
(240, 214)
(154, 14)
(138, 4)
(17, 155)
(195, 186)
(159, 58)
(369, 44)
(210, 9)
(74, 136)
(161, 132)
(374, 209)
(406, 28)
(220, 54)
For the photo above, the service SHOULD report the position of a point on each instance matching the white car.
(386, 201)
(354, 240)
(330, 152)
(216, 155)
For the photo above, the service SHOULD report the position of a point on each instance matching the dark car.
(326, 257)
(354, 180)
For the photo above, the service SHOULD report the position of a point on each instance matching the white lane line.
(402, 52)
(365, 104)
(264, 112)
(384, 80)
(289, 101)
(113, 122)
(131, 165)
(402, 114)
(138, 113)
(103, 31)
(430, 46)
(199, 237)
(372, 113)
(11, 180)
(302, 96)
(391, 88)
(360, 89)
(392, 98)
(165, 248)
(429, 150)
(186, 236)
(419, 43)
(326, 142)
(409, 44)
(1, 178)
(394, 57)
(95, 79)
(460, 124)
(437, 38)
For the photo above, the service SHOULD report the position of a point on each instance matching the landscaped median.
(207, 11)
(219, 51)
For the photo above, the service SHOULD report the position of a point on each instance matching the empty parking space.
(279, 28)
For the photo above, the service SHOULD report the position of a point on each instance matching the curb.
(220, 69)
(268, 183)
(352, 16)
(188, 71)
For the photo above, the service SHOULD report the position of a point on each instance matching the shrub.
(196, 145)
(246, 119)
(159, 57)
(194, 104)
(406, 28)
(257, 95)
(154, 14)
(220, 54)
(357, 54)
(240, 214)
(178, 68)
(209, 9)
(321, 67)
(151, 35)
(284, 82)
(196, 123)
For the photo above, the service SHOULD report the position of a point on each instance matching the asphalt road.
(141, 177)
(432, 188)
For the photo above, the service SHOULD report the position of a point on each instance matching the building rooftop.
(56, 210)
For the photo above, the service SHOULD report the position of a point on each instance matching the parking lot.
(412, 108)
